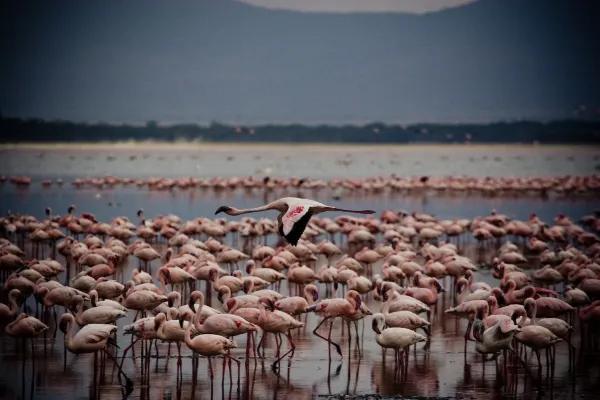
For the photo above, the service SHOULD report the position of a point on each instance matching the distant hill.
(203, 60)
(15, 130)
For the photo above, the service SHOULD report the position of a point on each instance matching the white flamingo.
(90, 339)
(395, 338)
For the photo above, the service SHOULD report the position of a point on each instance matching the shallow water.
(443, 370)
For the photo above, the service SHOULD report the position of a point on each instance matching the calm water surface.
(320, 162)
(443, 370)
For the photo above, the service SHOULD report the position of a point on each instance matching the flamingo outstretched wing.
(294, 222)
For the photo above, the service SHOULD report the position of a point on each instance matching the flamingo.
(220, 324)
(96, 315)
(207, 345)
(395, 338)
(25, 327)
(294, 214)
(334, 308)
(296, 305)
(277, 322)
(538, 338)
(470, 310)
(91, 339)
(171, 331)
(9, 312)
(495, 338)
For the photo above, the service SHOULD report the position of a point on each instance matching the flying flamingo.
(334, 308)
(91, 339)
(294, 214)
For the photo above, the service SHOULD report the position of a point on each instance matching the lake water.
(441, 371)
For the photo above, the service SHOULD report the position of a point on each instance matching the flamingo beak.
(441, 288)
(375, 327)
(220, 297)
(169, 302)
(181, 321)
(156, 325)
(224, 209)
(315, 296)
(358, 302)
(310, 309)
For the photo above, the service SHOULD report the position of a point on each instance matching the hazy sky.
(230, 61)
(406, 6)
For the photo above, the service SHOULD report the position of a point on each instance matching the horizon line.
(166, 124)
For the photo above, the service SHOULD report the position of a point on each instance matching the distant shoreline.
(157, 145)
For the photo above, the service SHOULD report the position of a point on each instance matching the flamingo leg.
(337, 347)
(275, 365)
(128, 382)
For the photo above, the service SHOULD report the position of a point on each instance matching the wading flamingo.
(395, 338)
(277, 322)
(294, 214)
(91, 339)
(207, 345)
(334, 308)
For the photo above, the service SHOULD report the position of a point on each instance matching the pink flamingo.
(335, 308)
(296, 305)
(208, 345)
(279, 323)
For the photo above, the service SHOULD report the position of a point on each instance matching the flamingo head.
(440, 288)
(375, 326)
(63, 325)
(357, 300)
(227, 210)
(184, 317)
(159, 319)
(220, 294)
(497, 293)
(478, 329)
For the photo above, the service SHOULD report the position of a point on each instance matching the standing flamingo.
(294, 214)
(277, 322)
(395, 338)
(207, 345)
(334, 308)
(91, 339)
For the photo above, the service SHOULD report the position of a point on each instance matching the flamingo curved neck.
(197, 324)
(68, 338)
(188, 330)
